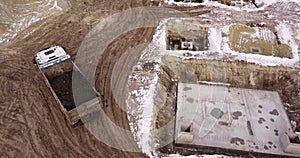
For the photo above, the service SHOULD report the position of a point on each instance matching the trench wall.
(238, 74)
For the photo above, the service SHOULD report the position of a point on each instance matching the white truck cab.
(50, 56)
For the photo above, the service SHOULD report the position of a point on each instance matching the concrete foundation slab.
(230, 118)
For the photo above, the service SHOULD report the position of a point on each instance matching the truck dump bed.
(70, 92)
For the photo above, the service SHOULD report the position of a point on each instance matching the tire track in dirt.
(43, 130)
(61, 132)
(103, 84)
(40, 135)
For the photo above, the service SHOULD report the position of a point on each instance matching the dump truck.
(76, 98)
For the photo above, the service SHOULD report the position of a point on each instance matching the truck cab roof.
(50, 56)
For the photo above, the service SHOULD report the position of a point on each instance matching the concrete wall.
(288, 146)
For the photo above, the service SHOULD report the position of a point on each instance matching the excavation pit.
(195, 39)
(257, 76)
(281, 81)
(257, 40)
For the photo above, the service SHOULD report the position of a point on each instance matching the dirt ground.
(31, 124)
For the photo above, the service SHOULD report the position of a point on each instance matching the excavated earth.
(31, 124)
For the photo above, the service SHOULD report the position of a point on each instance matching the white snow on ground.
(270, 2)
(211, 4)
(285, 37)
(267, 2)
(226, 53)
(235, 8)
(56, 6)
(298, 31)
(170, 2)
(196, 156)
(284, 33)
(145, 123)
(219, 49)
(264, 34)
(248, 7)
(19, 17)
(214, 39)
(144, 113)
(152, 53)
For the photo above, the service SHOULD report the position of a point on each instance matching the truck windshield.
(49, 52)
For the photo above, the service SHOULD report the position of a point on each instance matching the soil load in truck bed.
(62, 85)
(74, 94)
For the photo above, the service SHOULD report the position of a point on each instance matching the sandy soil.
(31, 124)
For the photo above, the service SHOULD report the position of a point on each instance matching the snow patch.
(244, 6)
(56, 6)
(25, 14)
(219, 50)
(270, 2)
(143, 114)
(264, 34)
(187, 4)
(285, 36)
(298, 31)
(196, 156)
(144, 96)
(145, 121)
(284, 33)
(214, 39)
